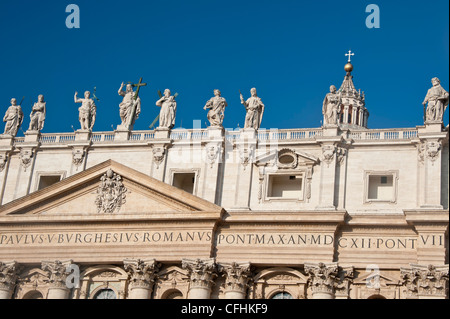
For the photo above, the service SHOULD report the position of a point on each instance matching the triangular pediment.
(383, 279)
(108, 189)
(298, 158)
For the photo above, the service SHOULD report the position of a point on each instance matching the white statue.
(87, 111)
(437, 99)
(331, 107)
(168, 112)
(216, 107)
(130, 108)
(38, 113)
(13, 118)
(255, 110)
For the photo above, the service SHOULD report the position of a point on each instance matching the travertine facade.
(340, 211)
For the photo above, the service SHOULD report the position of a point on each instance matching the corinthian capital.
(142, 272)
(323, 278)
(237, 276)
(57, 272)
(201, 272)
(8, 275)
(425, 280)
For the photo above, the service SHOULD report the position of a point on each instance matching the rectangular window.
(285, 187)
(184, 181)
(381, 186)
(46, 181)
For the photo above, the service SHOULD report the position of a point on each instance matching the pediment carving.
(286, 159)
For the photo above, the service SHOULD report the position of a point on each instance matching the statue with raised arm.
(255, 110)
(87, 111)
(37, 116)
(331, 107)
(13, 118)
(168, 111)
(216, 107)
(130, 108)
(437, 99)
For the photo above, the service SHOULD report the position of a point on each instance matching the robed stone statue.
(255, 110)
(216, 107)
(437, 99)
(38, 113)
(13, 118)
(168, 112)
(331, 107)
(130, 108)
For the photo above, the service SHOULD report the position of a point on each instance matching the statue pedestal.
(6, 140)
(32, 136)
(330, 130)
(122, 133)
(216, 132)
(162, 133)
(83, 135)
(433, 126)
(248, 134)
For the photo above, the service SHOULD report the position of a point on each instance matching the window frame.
(296, 173)
(395, 178)
(194, 171)
(40, 174)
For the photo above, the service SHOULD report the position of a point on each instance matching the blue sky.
(290, 50)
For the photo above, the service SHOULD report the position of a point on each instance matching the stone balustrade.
(282, 135)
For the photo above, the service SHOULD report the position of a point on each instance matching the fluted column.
(425, 282)
(8, 278)
(323, 279)
(201, 275)
(237, 277)
(57, 278)
(142, 277)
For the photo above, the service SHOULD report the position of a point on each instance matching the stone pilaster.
(329, 142)
(142, 277)
(8, 279)
(202, 274)
(323, 279)
(425, 282)
(237, 277)
(246, 147)
(430, 164)
(160, 145)
(57, 278)
(214, 151)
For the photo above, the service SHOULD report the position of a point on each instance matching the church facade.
(340, 211)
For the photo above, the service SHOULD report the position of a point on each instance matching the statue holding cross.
(130, 108)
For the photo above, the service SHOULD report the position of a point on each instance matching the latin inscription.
(104, 238)
(221, 240)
